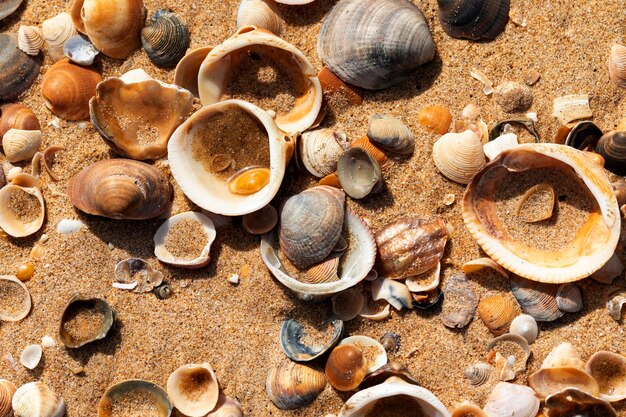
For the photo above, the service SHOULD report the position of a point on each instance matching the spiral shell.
(193, 389)
(291, 385)
(612, 147)
(511, 400)
(435, 118)
(30, 40)
(165, 39)
(458, 156)
(17, 116)
(609, 369)
(20, 145)
(391, 134)
(7, 389)
(536, 299)
(260, 13)
(346, 367)
(78, 305)
(474, 19)
(36, 399)
(478, 374)
(320, 150)
(20, 218)
(197, 260)
(120, 189)
(7, 7)
(497, 313)
(18, 70)
(617, 65)
(56, 31)
(158, 401)
(375, 44)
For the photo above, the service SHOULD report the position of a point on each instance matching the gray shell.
(18, 71)
(459, 302)
(165, 39)
(537, 299)
(474, 19)
(80, 50)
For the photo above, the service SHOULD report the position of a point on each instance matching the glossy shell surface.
(18, 70)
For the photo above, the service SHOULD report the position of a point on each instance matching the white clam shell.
(366, 344)
(36, 399)
(31, 355)
(20, 145)
(259, 13)
(226, 407)
(26, 300)
(493, 148)
(525, 326)
(419, 284)
(192, 395)
(8, 222)
(320, 150)
(617, 65)
(510, 400)
(458, 156)
(69, 226)
(609, 369)
(166, 256)
(30, 40)
(56, 31)
(573, 107)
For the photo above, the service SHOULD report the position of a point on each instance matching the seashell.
(224, 59)
(31, 355)
(154, 399)
(483, 79)
(69, 226)
(295, 2)
(249, 180)
(468, 410)
(7, 389)
(22, 208)
(537, 203)
(350, 45)
(120, 189)
(365, 143)
(186, 74)
(525, 326)
(67, 88)
(504, 366)
(410, 246)
(564, 355)
(511, 400)
(497, 313)
(17, 116)
(424, 301)
(122, 107)
(18, 70)
(323, 272)
(612, 147)
(138, 274)
(495, 147)
(30, 40)
(393, 396)
(291, 386)
(471, 111)
(426, 281)
(573, 107)
(80, 50)
(481, 263)
(475, 20)
(260, 13)
(7, 7)
(374, 353)
(346, 367)
(20, 145)
(435, 118)
(56, 31)
(331, 84)
(609, 369)
(459, 303)
(536, 299)
(611, 270)
(376, 316)
(458, 156)
(260, 221)
(166, 39)
(569, 299)
(513, 97)
(617, 65)
(615, 305)
(583, 136)
(85, 320)
(36, 399)
(391, 342)
(478, 374)
(358, 173)
(320, 150)
(347, 304)
(526, 122)
(394, 292)
(25, 271)
(292, 333)
(10, 287)
(389, 370)
(391, 134)
(594, 243)
(114, 26)
(331, 180)
(193, 389)
(572, 401)
(226, 407)
(516, 356)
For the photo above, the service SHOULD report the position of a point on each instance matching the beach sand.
(236, 328)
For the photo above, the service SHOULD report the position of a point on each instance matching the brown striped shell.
(165, 39)
(291, 385)
(391, 134)
(478, 374)
(612, 147)
(7, 389)
(18, 70)
(497, 313)
(17, 116)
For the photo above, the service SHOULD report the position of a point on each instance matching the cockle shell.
(12, 223)
(511, 400)
(292, 333)
(17, 116)
(159, 403)
(574, 402)
(56, 31)
(346, 367)
(36, 399)
(122, 107)
(595, 242)
(569, 299)
(186, 74)
(165, 39)
(92, 306)
(18, 70)
(476, 20)
(193, 389)
(375, 354)
(260, 13)
(458, 156)
(213, 79)
(394, 292)
(7, 389)
(468, 410)
(120, 189)
(609, 369)
(460, 302)
(226, 407)
(9, 286)
(525, 326)
(114, 26)
(376, 153)
(375, 44)
(291, 385)
(478, 374)
(612, 147)
(617, 65)
(320, 150)
(30, 40)
(497, 313)
(347, 304)
(391, 134)
(536, 299)
(7, 7)
(20, 145)
(160, 238)
(435, 118)
(358, 173)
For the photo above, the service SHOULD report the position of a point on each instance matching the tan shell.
(458, 156)
(459, 304)
(10, 222)
(426, 281)
(572, 401)
(226, 407)
(520, 356)
(616, 303)
(120, 189)
(160, 238)
(122, 107)
(17, 116)
(158, 402)
(511, 400)
(186, 74)
(497, 313)
(7, 389)
(346, 367)
(10, 281)
(478, 374)
(617, 65)
(435, 118)
(20, 145)
(595, 242)
(92, 306)
(320, 150)
(56, 31)
(260, 13)
(391, 134)
(481, 263)
(30, 40)
(376, 356)
(36, 399)
(291, 385)
(468, 410)
(114, 26)
(609, 369)
(193, 389)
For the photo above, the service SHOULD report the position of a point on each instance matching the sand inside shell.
(396, 406)
(317, 335)
(186, 239)
(135, 404)
(23, 206)
(12, 297)
(83, 323)
(194, 385)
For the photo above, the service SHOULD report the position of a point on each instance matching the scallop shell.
(609, 369)
(426, 281)
(458, 156)
(10, 222)
(358, 173)
(292, 333)
(226, 407)
(160, 238)
(569, 299)
(67, 88)
(375, 44)
(186, 74)
(30, 40)
(213, 80)
(260, 13)
(120, 189)
(165, 39)
(260, 221)
(114, 26)
(36, 399)
(481, 263)
(536, 299)
(346, 367)
(572, 401)
(122, 106)
(511, 400)
(18, 70)
(497, 313)
(17, 116)
(476, 20)
(347, 304)
(374, 353)
(137, 274)
(495, 147)
(320, 150)
(572, 107)
(468, 410)
(460, 302)
(31, 356)
(435, 118)
(80, 304)
(80, 50)
(7, 7)
(20, 145)
(391, 134)
(56, 31)
(7, 389)
(587, 253)
(530, 210)
(616, 303)
(478, 374)
(291, 386)
(193, 389)
(617, 65)
(394, 292)
(612, 147)
(525, 326)
(8, 285)
(160, 403)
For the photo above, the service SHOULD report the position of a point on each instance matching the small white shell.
(493, 148)
(69, 226)
(394, 292)
(20, 145)
(56, 31)
(367, 344)
(573, 107)
(160, 238)
(320, 150)
(47, 342)
(569, 299)
(525, 326)
(30, 40)
(458, 156)
(31, 355)
(36, 399)
(510, 400)
(427, 281)
(259, 13)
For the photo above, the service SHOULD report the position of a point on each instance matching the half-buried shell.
(291, 385)
(460, 302)
(22, 208)
(36, 399)
(85, 320)
(193, 389)
(154, 399)
(609, 369)
(172, 254)
(260, 13)
(16, 302)
(292, 333)
(7, 7)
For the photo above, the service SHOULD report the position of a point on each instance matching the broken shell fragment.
(186, 74)
(609, 369)
(458, 156)
(497, 313)
(165, 39)
(536, 299)
(320, 150)
(514, 349)
(30, 40)
(139, 273)
(22, 208)
(475, 20)
(436, 118)
(426, 281)
(154, 398)
(346, 367)
(193, 389)
(21, 145)
(80, 50)
(525, 326)
(85, 320)
(495, 147)
(167, 240)
(291, 385)
(615, 305)
(7, 389)
(226, 407)
(347, 304)
(570, 108)
(17, 116)
(292, 333)
(260, 221)
(331, 84)
(537, 204)
(391, 134)
(260, 13)
(394, 292)
(617, 65)
(16, 301)
(18, 70)
(511, 400)
(501, 127)
(583, 136)
(56, 31)
(36, 399)
(569, 299)
(358, 173)
(478, 374)
(612, 147)
(374, 353)
(460, 302)
(574, 402)
(31, 355)
(481, 263)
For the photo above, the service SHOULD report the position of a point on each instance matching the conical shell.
(120, 189)
(511, 400)
(20, 145)
(67, 88)
(126, 391)
(18, 70)
(56, 31)
(186, 74)
(617, 65)
(375, 44)
(458, 156)
(30, 40)
(460, 302)
(18, 217)
(569, 299)
(609, 369)
(391, 134)
(478, 374)
(536, 299)
(7, 7)
(10, 285)
(165, 39)
(260, 13)
(291, 385)
(572, 401)
(346, 367)
(160, 239)
(497, 313)
(193, 389)
(7, 389)
(226, 407)
(17, 116)
(612, 147)
(78, 304)
(292, 333)
(320, 150)
(36, 399)
(435, 118)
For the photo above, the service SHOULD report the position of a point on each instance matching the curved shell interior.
(292, 333)
(8, 286)
(374, 353)
(16, 215)
(160, 238)
(129, 388)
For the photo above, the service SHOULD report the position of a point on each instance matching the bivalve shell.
(7, 389)
(80, 50)
(7, 7)
(478, 374)
(320, 150)
(56, 31)
(374, 353)
(36, 399)
(20, 145)
(435, 118)
(394, 292)
(260, 13)
(16, 299)
(31, 356)
(206, 235)
(391, 134)
(497, 313)
(525, 326)
(260, 221)
(571, 107)
(137, 275)
(193, 389)
(22, 208)
(94, 318)
(346, 367)
(508, 400)
(616, 303)
(17, 116)
(359, 173)
(536, 299)
(30, 40)
(291, 385)
(468, 410)
(569, 299)
(609, 369)
(426, 281)
(612, 147)
(292, 333)
(458, 156)
(572, 401)
(475, 20)
(18, 70)
(186, 74)
(165, 39)
(617, 65)
(226, 407)
(154, 399)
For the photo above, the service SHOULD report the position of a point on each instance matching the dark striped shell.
(612, 147)
(537, 299)
(17, 70)
(165, 39)
(474, 19)
(291, 385)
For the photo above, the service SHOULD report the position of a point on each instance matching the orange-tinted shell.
(435, 118)
(375, 152)
(331, 84)
(249, 181)
(17, 116)
(7, 389)
(331, 180)
(346, 367)
(497, 312)
(468, 410)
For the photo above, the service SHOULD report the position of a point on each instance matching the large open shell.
(511, 400)
(158, 397)
(166, 256)
(193, 389)
(202, 186)
(123, 107)
(18, 70)
(92, 306)
(609, 369)
(36, 399)
(8, 286)
(186, 74)
(574, 402)
(375, 44)
(292, 333)
(9, 222)
(291, 385)
(213, 77)
(474, 19)
(594, 243)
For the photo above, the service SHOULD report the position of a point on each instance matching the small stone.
(77, 370)
(47, 342)
(25, 271)
(532, 77)
(234, 279)
(245, 271)
(448, 200)
(513, 97)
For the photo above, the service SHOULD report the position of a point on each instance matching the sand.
(236, 328)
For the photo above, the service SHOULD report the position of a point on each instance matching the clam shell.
(80, 304)
(346, 367)
(572, 107)
(617, 65)
(375, 44)
(358, 173)
(31, 355)
(80, 50)
(260, 221)
(114, 26)
(616, 303)
(7, 7)
(12, 223)
(30, 40)
(435, 118)
(391, 134)
(468, 410)
(160, 238)
(122, 106)
(186, 74)
(525, 326)
(292, 333)
(213, 80)
(584, 255)
(572, 401)
(166, 39)
(497, 313)
(471, 19)
(481, 263)
(374, 353)
(320, 150)
(260, 13)
(10, 285)
(226, 407)
(120, 189)
(347, 304)
(138, 274)
(520, 358)
(511, 400)
(549, 381)
(20, 145)
(609, 369)
(331, 84)
(17, 116)
(536, 299)
(291, 386)
(67, 88)
(460, 302)
(426, 281)
(7, 389)
(158, 397)
(569, 299)
(458, 156)
(394, 292)
(193, 389)
(495, 147)
(564, 355)
(18, 70)
(612, 147)
(36, 399)
(56, 31)
(478, 374)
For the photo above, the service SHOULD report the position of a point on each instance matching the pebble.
(69, 226)
(234, 279)
(513, 97)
